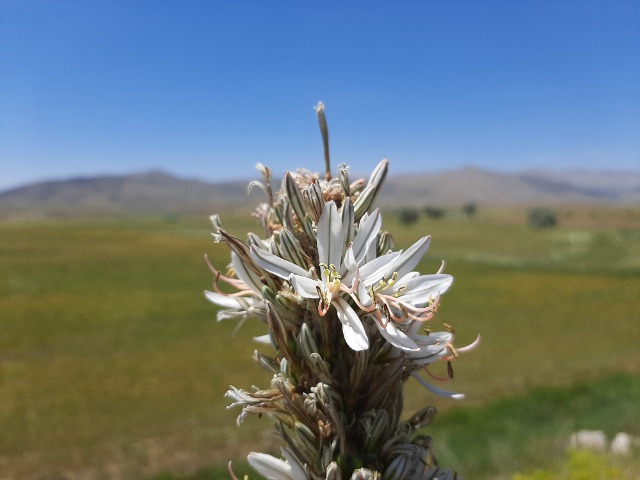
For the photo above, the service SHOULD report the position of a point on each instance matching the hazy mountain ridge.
(155, 191)
(483, 186)
(158, 191)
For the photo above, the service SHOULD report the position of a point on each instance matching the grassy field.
(112, 364)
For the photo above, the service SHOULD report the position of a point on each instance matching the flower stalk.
(324, 131)
(347, 325)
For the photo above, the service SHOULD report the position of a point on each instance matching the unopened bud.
(306, 438)
(365, 474)
(319, 368)
(327, 395)
(308, 344)
(295, 196)
(268, 294)
(284, 367)
(348, 220)
(397, 469)
(379, 173)
(368, 195)
(422, 418)
(290, 248)
(333, 472)
(385, 243)
(266, 362)
(255, 240)
(343, 174)
(288, 301)
(313, 199)
(378, 427)
(309, 230)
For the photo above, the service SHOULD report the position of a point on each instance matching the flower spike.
(347, 319)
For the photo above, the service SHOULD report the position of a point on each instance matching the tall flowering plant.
(347, 318)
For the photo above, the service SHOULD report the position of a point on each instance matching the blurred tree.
(542, 217)
(408, 216)
(434, 212)
(470, 209)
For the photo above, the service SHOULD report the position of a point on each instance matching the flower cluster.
(347, 318)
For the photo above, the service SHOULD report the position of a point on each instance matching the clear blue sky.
(207, 89)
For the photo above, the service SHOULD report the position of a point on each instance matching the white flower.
(435, 346)
(396, 295)
(388, 291)
(276, 469)
(333, 263)
(244, 303)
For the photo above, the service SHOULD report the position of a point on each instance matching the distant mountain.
(158, 191)
(533, 187)
(154, 191)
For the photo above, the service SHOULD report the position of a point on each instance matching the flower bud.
(306, 438)
(357, 186)
(319, 368)
(327, 395)
(288, 301)
(314, 200)
(348, 221)
(328, 454)
(363, 202)
(365, 474)
(290, 248)
(333, 472)
(255, 240)
(268, 294)
(385, 243)
(422, 418)
(379, 173)
(265, 362)
(279, 211)
(295, 197)
(308, 344)
(284, 367)
(397, 469)
(343, 175)
(368, 195)
(307, 225)
(377, 428)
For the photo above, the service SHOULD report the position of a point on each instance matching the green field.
(112, 364)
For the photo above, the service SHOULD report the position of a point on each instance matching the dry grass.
(112, 365)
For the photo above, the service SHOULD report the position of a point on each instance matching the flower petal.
(396, 337)
(276, 265)
(330, 236)
(222, 300)
(420, 290)
(297, 469)
(305, 287)
(409, 258)
(434, 338)
(352, 328)
(263, 339)
(271, 467)
(373, 271)
(427, 355)
(369, 228)
(246, 275)
(349, 262)
(436, 390)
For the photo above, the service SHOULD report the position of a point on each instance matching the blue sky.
(206, 89)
